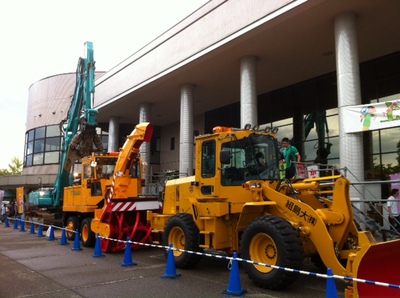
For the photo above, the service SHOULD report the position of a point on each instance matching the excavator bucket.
(380, 263)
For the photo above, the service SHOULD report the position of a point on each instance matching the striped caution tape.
(321, 275)
(345, 278)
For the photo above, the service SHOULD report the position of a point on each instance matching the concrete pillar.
(186, 131)
(145, 151)
(349, 93)
(113, 134)
(248, 91)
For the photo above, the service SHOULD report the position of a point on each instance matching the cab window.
(208, 159)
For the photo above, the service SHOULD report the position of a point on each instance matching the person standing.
(392, 206)
(3, 213)
(290, 153)
(11, 209)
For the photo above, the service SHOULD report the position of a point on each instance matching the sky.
(42, 38)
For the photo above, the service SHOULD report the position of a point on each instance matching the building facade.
(297, 65)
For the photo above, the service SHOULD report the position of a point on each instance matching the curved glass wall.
(43, 145)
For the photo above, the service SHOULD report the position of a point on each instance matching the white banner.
(371, 116)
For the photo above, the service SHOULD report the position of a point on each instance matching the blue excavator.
(79, 136)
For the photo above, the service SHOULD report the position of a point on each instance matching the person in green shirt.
(290, 153)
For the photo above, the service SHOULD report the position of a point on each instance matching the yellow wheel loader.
(235, 204)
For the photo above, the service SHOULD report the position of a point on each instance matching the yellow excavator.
(235, 204)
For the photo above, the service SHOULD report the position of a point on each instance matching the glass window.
(51, 157)
(28, 160)
(87, 172)
(38, 159)
(53, 144)
(40, 132)
(251, 158)
(29, 149)
(390, 139)
(375, 143)
(39, 145)
(31, 135)
(285, 128)
(53, 131)
(104, 140)
(333, 125)
(208, 159)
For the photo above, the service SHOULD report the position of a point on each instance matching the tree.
(14, 168)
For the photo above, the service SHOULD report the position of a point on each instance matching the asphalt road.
(32, 266)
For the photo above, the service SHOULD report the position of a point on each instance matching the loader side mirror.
(225, 157)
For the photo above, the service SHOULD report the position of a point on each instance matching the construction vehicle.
(234, 204)
(79, 135)
(318, 119)
(105, 197)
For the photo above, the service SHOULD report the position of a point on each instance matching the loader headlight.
(255, 185)
(248, 185)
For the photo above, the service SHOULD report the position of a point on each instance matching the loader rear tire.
(271, 240)
(182, 233)
(88, 237)
(71, 226)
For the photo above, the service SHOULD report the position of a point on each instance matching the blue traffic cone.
(51, 234)
(331, 291)
(63, 237)
(77, 242)
(170, 271)
(22, 226)
(32, 230)
(235, 287)
(128, 255)
(40, 230)
(15, 223)
(97, 248)
(7, 223)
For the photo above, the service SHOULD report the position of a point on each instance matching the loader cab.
(254, 157)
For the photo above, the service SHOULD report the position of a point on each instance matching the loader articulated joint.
(304, 231)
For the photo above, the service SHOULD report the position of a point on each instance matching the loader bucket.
(380, 263)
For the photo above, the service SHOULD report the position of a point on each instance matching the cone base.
(128, 264)
(234, 293)
(170, 276)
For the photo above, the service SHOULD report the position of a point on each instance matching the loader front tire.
(182, 233)
(271, 240)
(71, 226)
(88, 237)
